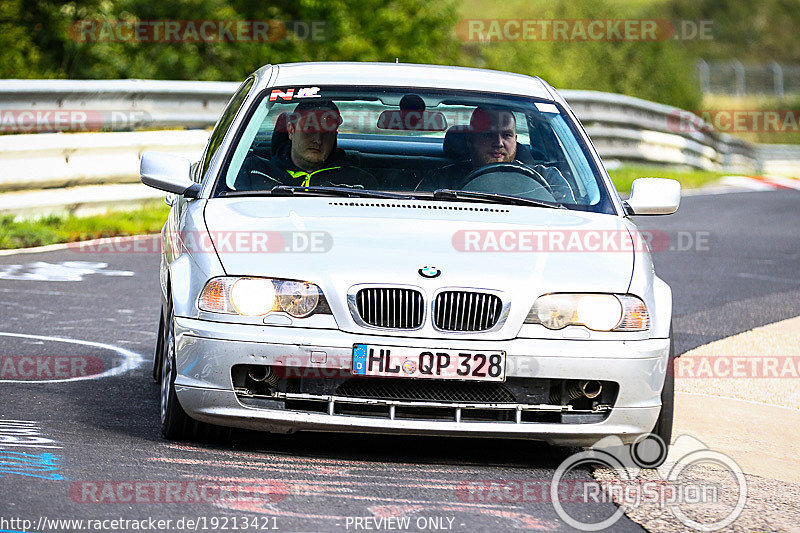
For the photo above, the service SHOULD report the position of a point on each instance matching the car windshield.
(414, 143)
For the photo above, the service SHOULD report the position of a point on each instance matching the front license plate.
(403, 362)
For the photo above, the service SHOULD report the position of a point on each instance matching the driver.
(310, 158)
(491, 138)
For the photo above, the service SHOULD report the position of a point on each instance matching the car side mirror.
(168, 172)
(654, 196)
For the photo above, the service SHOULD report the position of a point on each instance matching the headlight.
(253, 297)
(297, 298)
(599, 312)
(553, 311)
(260, 296)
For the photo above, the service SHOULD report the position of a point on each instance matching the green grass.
(56, 229)
(786, 131)
(689, 178)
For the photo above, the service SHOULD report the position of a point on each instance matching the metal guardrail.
(48, 160)
(630, 129)
(623, 128)
(779, 159)
(112, 105)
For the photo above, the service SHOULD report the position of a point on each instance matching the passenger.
(309, 157)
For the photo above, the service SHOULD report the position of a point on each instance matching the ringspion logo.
(676, 490)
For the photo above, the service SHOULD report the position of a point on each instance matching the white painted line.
(132, 360)
(747, 182)
(733, 184)
(780, 181)
(65, 245)
(64, 271)
(716, 189)
(37, 249)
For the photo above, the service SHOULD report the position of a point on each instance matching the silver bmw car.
(408, 249)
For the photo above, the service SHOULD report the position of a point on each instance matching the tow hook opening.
(258, 379)
(583, 393)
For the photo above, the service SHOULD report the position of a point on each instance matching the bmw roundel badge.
(429, 272)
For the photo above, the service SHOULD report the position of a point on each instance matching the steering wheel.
(474, 181)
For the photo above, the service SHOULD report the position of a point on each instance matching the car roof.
(401, 75)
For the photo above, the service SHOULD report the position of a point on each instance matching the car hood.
(338, 243)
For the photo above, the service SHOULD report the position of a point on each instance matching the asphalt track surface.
(85, 439)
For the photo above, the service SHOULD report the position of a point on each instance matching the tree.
(66, 37)
(21, 57)
(658, 70)
(760, 31)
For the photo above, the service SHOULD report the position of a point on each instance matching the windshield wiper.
(451, 194)
(291, 190)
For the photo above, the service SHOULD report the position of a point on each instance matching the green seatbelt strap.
(307, 175)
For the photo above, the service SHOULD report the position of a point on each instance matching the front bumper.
(206, 351)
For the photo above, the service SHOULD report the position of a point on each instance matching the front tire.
(663, 427)
(651, 450)
(175, 423)
(159, 347)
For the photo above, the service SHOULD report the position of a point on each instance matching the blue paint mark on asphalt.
(41, 465)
